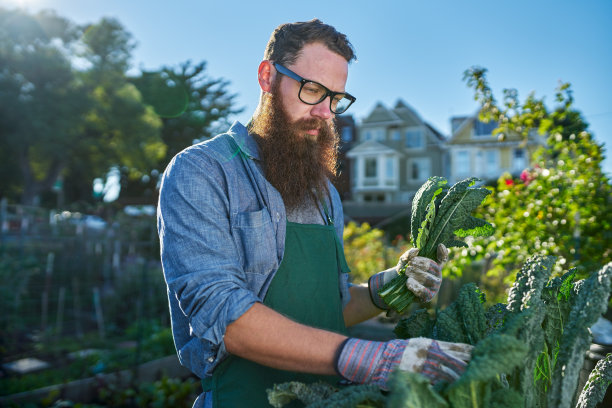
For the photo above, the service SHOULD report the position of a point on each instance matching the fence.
(68, 275)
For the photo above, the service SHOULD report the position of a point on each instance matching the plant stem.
(396, 294)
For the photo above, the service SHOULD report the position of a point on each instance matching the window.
(370, 168)
(482, 129)
(347, 134)
(367, 135)
(396, 135)
(379, 135)
(419, 169)
(389, 168)
(519, 161)
(462, 165)
(491, 165)
(479, 164)
(414, 138)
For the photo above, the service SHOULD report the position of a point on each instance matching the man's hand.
(364, 361)
(424, 276)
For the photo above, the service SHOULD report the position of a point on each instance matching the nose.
(322, 109)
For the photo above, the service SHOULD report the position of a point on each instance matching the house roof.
(436, 132)
(379, 114)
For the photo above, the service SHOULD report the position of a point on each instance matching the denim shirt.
(221, 226)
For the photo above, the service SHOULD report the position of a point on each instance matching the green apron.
(306, 289)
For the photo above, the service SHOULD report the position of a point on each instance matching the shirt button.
(277, 216)
(211, 359)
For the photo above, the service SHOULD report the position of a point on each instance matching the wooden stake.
(99, 315)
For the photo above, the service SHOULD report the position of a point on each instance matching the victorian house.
(474, 151)
(393, 155)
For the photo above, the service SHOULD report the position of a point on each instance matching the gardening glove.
(424, 276)
(371, 362)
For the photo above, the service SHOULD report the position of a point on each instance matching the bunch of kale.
(440, 215)
(528, 352)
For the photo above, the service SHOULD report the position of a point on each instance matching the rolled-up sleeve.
(205, 278)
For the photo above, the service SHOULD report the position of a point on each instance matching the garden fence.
(62, 276)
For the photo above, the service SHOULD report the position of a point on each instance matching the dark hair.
(287, 41)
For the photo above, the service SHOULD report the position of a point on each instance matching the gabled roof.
(380, 114)
(436, 133)
(407, 113)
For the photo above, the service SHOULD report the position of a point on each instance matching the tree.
(40, 99)
(192, 107)
(60, 122)
(119, 130)
(560, 206)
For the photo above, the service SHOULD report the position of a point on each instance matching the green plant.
(558, 206)
(166, 392)
(440, 215)
(529, 350)
(367, 251)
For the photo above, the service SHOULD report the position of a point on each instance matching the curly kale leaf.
(496, 317)
(589, 303)
(526, 294)
(492, 357)
(418, 324)
(595, 388)
(353, 396)
(506, 398)
(557, 297)
(464, 320)
(412, 390)
(530, 282)
(437, 221)
(454, 218)
(324, 395)
(423, 204)
(282, 394)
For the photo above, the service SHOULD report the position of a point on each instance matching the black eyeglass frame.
(287, 72)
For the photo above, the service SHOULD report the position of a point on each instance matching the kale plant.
(440, 215)
(528, 352)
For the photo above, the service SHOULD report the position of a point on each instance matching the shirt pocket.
(253, 233)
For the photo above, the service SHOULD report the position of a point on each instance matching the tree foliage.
(559, 206)
(70, 112)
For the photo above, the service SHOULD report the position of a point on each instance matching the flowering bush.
(561, 206)
(368, 251)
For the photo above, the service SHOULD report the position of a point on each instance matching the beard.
(298, 165)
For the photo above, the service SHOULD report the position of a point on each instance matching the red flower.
(509, 182)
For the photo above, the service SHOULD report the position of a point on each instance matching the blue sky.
(413, 50)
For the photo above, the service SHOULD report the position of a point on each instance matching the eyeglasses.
(313, 93)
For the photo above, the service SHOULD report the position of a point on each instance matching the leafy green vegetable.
(439, 216)
(595, 388)
(528, 352)
(589, 303)
(463, 321)
(324, 395)
(493, 356)
(526, 294)
(411, 390)
(454, 218)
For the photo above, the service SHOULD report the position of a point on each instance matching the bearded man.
(251, 228)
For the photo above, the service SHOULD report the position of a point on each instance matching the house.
(396, 151)
(474, 151)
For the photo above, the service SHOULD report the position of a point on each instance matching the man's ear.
(266, 74)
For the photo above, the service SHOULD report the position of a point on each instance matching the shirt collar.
(246, 142)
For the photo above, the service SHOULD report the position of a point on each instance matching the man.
(250, 229)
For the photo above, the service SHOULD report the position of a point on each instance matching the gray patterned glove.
(424, 276)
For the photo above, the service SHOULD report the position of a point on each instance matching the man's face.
(317, 63)
(298, 142)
